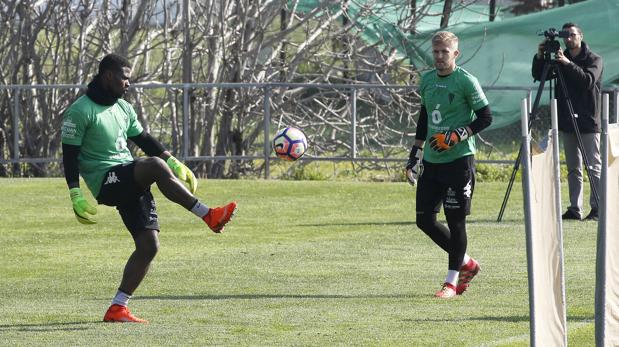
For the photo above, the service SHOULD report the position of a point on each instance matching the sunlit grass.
(303, 263)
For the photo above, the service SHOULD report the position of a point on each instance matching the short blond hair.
(445, 37)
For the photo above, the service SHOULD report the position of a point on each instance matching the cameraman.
(582, 72)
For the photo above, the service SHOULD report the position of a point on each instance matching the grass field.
(304, 263)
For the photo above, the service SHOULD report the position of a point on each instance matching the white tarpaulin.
(611, 299)
(547, 270)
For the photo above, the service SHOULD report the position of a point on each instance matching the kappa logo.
(468, 190)
(111, 178)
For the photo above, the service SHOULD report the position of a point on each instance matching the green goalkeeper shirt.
(101, 132)
(451, 102)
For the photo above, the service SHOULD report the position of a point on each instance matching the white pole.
(600, 262)
(528, 218)
(557, 182)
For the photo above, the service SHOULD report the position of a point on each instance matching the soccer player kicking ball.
(95, 130)
(453, 109)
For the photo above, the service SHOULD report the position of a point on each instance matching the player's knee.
(155, 166)
(148, 250)
(159, 164)
(425, 221)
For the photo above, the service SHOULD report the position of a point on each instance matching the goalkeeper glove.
(81, 207)
(414, 166)
(183, 173)
(446, 140)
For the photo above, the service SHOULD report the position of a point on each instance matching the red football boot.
(118, 313)
(447, 291)
(467, 272)
(217, 217)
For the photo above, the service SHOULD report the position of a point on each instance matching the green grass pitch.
(304, 263)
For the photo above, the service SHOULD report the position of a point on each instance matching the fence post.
(353, 132)
(16, 116)
(616, 102)
(267, 136)
(185, 150)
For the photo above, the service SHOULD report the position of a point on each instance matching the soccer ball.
(290, 144)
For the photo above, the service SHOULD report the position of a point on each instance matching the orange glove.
(446, 140)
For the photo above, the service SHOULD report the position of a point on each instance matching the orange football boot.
(217, 217)
(118, 313)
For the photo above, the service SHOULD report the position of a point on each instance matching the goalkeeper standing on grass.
(453, 109)
(95, 130)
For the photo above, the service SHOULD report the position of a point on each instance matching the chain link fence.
(370, 125)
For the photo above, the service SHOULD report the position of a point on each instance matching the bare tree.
(61, 41)
(492, 10)
(446, 13)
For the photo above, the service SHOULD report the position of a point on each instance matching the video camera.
(551, 45)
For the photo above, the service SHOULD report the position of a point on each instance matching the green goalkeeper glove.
(183, 173)
(81, 207)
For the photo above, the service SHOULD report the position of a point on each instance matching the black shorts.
(135, 205)
(450, 184)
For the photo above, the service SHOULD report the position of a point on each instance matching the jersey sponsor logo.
(476, 98)
(121, 156)
(451, 199)
(111, 178)
(69, 129)
(478, 95)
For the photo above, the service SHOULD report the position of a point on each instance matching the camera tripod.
(549, 67)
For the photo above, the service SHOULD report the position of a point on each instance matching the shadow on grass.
(65, 326)
(274, 296)
(359, 223)
(413, 223)
(492, 220)
(509, 319)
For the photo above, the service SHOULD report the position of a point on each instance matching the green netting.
(499, 53)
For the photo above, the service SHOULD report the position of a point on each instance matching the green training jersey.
(450, 102)
(102, 133)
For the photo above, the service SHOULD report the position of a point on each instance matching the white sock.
(121, 298)
(199, 209)
(452, 277)
(466, 259)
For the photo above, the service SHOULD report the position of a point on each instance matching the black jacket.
(583, 78)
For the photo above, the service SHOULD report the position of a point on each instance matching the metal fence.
(352, 149)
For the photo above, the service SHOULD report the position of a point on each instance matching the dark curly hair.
(113, 62)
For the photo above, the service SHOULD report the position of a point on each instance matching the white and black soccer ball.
(290, 144)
